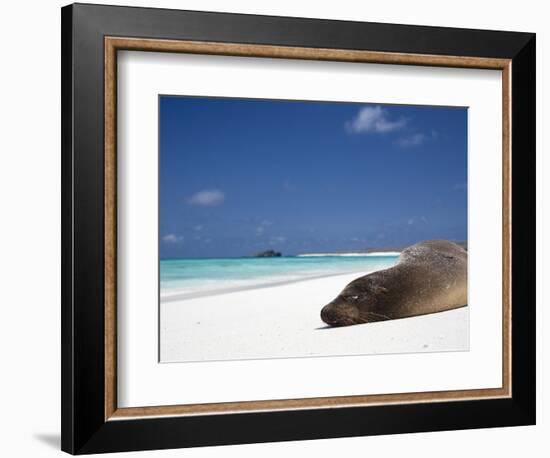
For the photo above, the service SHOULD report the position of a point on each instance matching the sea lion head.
(356, 304)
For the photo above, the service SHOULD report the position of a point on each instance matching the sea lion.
(429, 277)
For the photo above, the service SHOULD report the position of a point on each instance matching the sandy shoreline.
(283, 321)
(170, 297)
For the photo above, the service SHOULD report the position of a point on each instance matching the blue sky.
(238, 176)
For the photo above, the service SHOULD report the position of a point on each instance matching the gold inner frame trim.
(112, 45)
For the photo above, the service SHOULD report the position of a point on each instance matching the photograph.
(292, 228)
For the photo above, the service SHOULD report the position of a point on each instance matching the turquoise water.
(201, 276)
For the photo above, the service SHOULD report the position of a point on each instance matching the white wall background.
(30, 229)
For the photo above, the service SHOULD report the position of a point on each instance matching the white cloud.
(207, 198)
(198, 227)
(411, 140)
(374, 120)
(172, 238)
(276, 240)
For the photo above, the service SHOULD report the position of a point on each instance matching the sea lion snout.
(340, 313)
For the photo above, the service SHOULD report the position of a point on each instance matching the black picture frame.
(84, 427)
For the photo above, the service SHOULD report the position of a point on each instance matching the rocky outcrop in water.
(268, 254)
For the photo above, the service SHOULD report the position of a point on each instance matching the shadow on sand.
(326, 326)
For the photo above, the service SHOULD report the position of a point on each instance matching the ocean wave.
(363, 255)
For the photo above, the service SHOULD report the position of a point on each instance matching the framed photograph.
(281, 228)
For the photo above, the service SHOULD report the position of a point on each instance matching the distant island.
(268, 254)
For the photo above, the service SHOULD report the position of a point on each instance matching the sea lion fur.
(430, 276)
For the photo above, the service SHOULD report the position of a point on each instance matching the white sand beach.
(283, 321)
